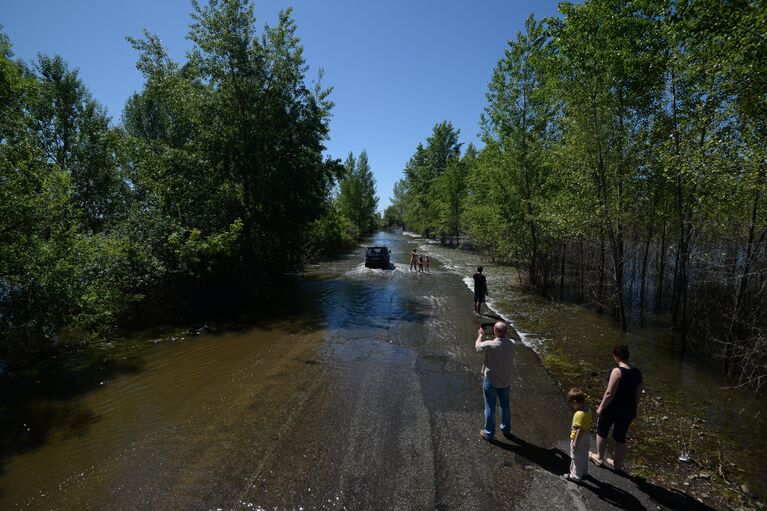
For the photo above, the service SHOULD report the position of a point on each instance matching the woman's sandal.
(595, 460)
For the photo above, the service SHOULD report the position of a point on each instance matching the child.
(580, 438)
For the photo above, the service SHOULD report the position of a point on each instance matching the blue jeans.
(502, 395)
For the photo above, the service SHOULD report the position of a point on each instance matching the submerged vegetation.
(623, 166)
(214, 183)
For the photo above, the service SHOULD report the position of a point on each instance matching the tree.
(356, 197)
(609, 58)
(75, 135)
(517, 124)
(422, 172)
(54, 273)
(263, 127)
(228, 164)
(450, 189)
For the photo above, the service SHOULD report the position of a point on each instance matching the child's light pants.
(579, 466)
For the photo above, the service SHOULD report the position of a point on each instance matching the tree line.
(623, 165)
(214, 183)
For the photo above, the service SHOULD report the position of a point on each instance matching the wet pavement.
(362, 392)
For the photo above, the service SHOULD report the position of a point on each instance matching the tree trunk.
(582, 273)
(661, 270)
(644, 268)
(601, 285)
(562, 272)
(736, 319)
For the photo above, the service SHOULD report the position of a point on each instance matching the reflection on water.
(734, 415)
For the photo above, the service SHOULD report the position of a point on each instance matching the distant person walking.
(413, 258)
(420, 263)
(618, 407)
(480, 290)
(426, 263)
(499, 358)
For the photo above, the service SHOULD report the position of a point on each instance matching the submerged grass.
(663, 430)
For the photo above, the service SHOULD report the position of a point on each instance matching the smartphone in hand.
(487, 328)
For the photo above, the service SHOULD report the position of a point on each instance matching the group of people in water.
(419, 262)
(616, 410)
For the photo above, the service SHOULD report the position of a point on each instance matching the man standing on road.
(499, 357)
(480, 290)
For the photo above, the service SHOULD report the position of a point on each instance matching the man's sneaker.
(568, 477)
(485, 436)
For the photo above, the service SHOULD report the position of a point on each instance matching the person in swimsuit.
(413, 257)
(618, 407)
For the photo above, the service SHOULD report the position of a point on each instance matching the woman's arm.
(612, 384)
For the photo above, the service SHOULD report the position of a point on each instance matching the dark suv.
(377, 257)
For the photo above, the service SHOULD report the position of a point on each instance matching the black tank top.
(624, 402)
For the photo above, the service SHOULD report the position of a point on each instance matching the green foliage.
(624, 149)
(214, 183)
(74, 133)
(356, 194)
(423, 191)
(330, 234)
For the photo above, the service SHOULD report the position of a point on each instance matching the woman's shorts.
(479, 297)
(619, 422)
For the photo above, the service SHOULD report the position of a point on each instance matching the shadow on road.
(556, 462)
(672, 499)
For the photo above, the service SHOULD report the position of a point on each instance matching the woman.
(618, 407)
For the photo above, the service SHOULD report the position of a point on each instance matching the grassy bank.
(665, 428)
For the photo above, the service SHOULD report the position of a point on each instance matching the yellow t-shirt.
(582, 419)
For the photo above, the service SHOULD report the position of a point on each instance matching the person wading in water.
(413, 259)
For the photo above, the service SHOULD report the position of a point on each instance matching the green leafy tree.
(75, 135)
(227, 152)
(611, 70)
(357, 200)
(422, 173)
(516, 128)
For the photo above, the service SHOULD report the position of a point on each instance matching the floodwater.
(356, 389)
(688, 384)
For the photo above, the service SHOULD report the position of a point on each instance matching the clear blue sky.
(397, 66)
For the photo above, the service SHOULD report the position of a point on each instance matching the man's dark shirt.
(480, 283)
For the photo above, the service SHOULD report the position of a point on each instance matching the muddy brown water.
(359, 390)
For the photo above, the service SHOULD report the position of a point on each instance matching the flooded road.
(576, 342)
(360, 391)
